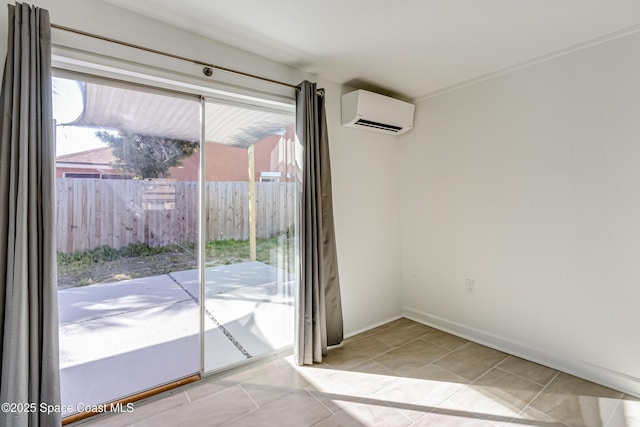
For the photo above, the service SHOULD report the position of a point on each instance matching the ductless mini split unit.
(371, 111)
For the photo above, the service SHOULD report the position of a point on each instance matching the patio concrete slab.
(115, 356)
(227, 278)
(188, 279)
(107, 299)
(219, 352)
(261, 318)
(109, 336)
(259, 329)
(121, 338)
(252, 300)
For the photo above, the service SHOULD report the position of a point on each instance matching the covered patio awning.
(149, 113)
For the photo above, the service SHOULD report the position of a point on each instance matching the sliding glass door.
(127, 171)
(163, 271)
(249, 207)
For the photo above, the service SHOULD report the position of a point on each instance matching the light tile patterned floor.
(400, 374)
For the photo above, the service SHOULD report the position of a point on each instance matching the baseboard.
(597, 374)
(368, 328)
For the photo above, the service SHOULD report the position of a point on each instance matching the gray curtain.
(28, 295)
(319, 312)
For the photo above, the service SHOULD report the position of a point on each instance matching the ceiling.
(411, 48)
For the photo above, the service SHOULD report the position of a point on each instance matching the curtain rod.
(207, 70)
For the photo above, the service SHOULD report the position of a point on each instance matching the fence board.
(91, 213)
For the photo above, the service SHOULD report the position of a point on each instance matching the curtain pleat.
(28, 298)
(319, 309)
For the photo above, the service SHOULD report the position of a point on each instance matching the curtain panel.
(319, 311)
(29, 373)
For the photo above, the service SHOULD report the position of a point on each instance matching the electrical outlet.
(470, 286)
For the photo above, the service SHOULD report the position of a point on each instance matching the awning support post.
(252, 204)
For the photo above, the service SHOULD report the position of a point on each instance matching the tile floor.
(400, 374)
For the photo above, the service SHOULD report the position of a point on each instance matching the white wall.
(365, 181)
(364, 163)
(529, 183)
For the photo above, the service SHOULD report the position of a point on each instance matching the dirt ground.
(127, 268)
(88, 270)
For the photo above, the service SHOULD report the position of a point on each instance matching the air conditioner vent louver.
(371, 111)
(377, 125)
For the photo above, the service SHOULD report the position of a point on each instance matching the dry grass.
(106, 264)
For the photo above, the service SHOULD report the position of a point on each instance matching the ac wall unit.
(371, 111)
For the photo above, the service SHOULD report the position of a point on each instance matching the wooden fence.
(94, 212)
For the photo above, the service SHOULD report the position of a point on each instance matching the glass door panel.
(127, 171)
(250, 210)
